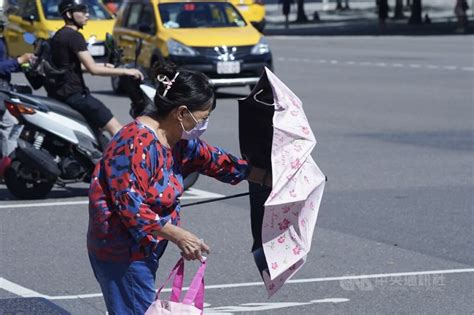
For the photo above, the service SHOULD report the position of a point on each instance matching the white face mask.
(198, 129)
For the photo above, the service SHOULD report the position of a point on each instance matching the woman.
(133, 201)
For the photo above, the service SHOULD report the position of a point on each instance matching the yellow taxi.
(41, 17)
(210, 36)
(252, 10)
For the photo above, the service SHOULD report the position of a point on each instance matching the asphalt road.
(394, 122)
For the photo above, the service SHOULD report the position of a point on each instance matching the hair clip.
(166, 81)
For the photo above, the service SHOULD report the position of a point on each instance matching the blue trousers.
(128, 288)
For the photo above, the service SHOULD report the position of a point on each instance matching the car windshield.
(96, 10)
(200, 15)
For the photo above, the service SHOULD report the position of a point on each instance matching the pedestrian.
(286, 9)
(8, 134)
(134, 207)
(69, 51)
(382, 13)
(460, 10)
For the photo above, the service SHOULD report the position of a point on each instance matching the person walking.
(460, 10)
(134, 206)
(69, 51)
(382, 13)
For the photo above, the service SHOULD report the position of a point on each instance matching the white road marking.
(376, 64)
(25, 292)
(17, 289)
(256, 307)
(44, 204)
(194, 193)
(190, 194)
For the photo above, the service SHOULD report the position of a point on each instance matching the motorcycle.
(56, 144)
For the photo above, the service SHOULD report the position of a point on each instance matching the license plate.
(97, 50)
(226, 67)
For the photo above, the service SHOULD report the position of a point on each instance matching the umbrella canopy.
(275, 134)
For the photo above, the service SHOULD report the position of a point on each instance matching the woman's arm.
(198, 156)
(190, 245)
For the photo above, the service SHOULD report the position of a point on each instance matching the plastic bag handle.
(178, 273)
(196, 289)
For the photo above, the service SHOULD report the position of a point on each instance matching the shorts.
(95, 112)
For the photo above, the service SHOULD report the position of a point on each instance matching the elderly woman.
(134, 195)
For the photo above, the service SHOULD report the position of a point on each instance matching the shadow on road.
(56, 193)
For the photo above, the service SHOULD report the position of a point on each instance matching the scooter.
(56, 144)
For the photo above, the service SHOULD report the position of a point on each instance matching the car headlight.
(177, 49)
(261, 48)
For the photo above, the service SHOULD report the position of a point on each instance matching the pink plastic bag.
(193, 302)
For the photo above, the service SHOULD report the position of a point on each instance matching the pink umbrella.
(275, 134)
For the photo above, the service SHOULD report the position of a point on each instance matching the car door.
(138, 22)
(24, 18)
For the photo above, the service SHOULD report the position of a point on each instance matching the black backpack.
(43, 72)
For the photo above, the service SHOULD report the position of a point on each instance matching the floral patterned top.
(136, 186)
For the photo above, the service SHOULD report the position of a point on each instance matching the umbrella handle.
(259, 101)
(264, 178)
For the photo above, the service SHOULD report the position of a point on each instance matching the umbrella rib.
(224, 198)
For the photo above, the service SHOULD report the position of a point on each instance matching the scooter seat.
(60, 108)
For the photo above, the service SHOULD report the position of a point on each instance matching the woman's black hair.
(190, 88)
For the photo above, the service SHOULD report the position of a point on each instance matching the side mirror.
(109, 42)
(29, 18)
(29, 38)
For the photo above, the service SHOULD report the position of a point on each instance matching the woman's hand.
(25, 58)
(191, 246)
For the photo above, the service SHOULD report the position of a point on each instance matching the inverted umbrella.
(275, 134)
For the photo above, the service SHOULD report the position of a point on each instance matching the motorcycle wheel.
(190, 180)
(31, 186)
